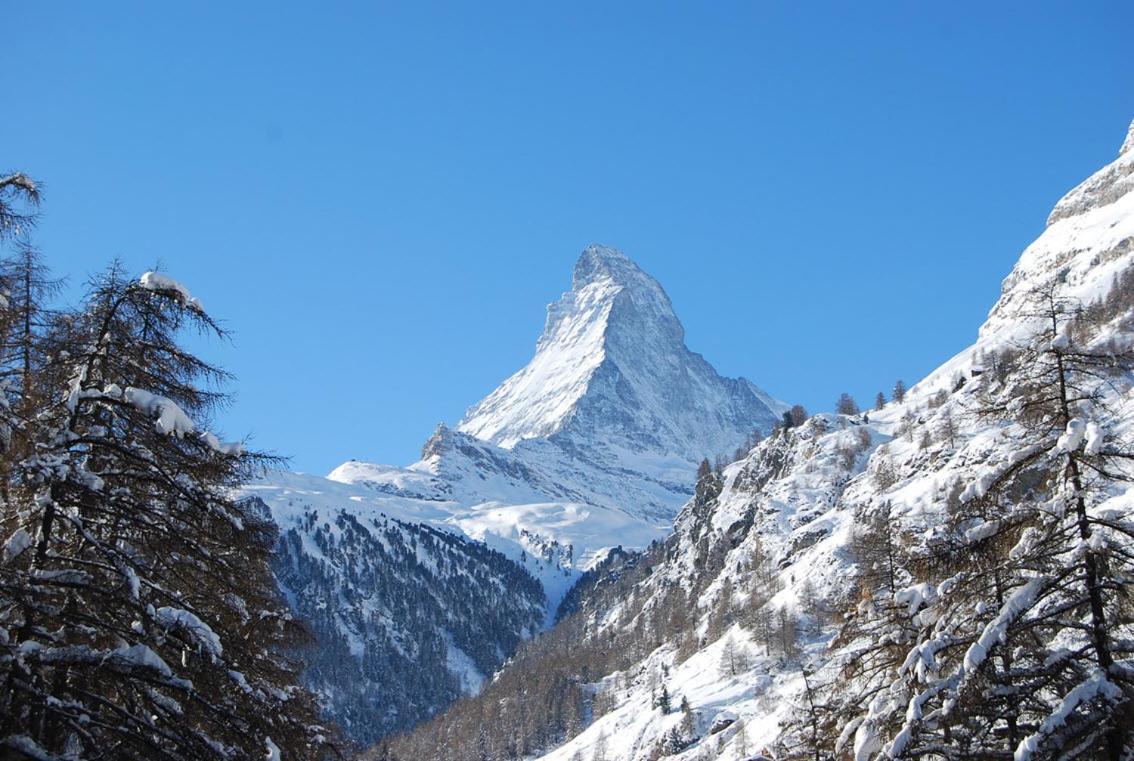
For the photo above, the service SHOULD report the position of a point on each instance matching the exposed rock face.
(1103, 188)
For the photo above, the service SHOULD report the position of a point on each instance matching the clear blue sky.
(381, 198)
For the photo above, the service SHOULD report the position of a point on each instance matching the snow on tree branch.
(152, 281)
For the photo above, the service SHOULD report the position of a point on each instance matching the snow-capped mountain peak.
(612, 368)
(608, 266)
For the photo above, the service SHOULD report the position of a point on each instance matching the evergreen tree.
(798, 415)
(663, 700)
(846, 405)
(899, 392)
(879, 401)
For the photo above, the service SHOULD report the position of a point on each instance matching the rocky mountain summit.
(612, 376)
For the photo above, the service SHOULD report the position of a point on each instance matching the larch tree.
(798, 415)
(19, 197)
(846, 405)
(1029, 652)
(138, 615)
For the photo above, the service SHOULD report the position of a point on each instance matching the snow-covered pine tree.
(1076, 557)
(138, 616)
(972, 713)
(26, 285)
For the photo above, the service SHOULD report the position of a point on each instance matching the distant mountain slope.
(407, 617)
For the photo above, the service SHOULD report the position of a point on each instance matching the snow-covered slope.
(778, 559)
(593, 445)
(774, 539)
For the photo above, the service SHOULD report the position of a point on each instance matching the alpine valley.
(217, 542)
(617, 555)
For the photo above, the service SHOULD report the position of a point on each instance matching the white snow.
(142, 656)
(171, 419)
(222, 447)
(153, 281)
(915, 597)
(170, 618)
(1095, 686)
(1022, 598)
(462, 667)
(19, 541)
(1072, 438)
(866, 742)
(1095, 436)
(536, 401)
